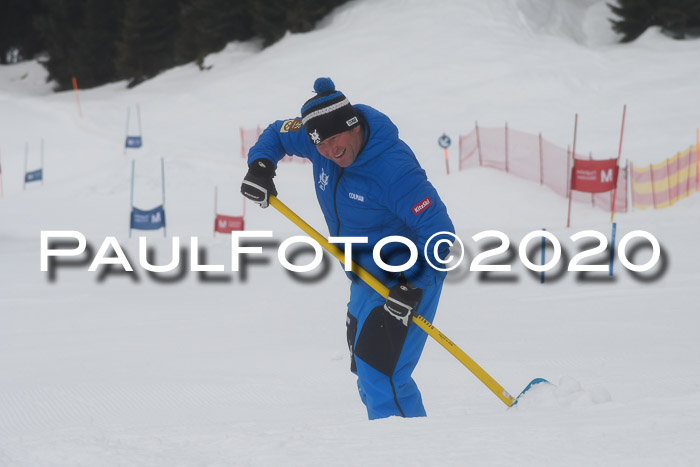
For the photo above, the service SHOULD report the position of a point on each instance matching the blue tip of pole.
(612, 248)
(543, 250)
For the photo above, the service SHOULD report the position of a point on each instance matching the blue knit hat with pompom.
(327, 113)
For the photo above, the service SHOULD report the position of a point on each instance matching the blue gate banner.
(148, 220)
(34, 176)
(133, 142)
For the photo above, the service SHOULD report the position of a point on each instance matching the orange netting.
(661, 185)
(533, 158)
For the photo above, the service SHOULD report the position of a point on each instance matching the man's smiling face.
(342, 148)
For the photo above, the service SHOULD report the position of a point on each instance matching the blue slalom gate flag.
(134, 142)
(148, 220)
(34, 176)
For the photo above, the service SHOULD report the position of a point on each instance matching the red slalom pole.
(77, 98)
(619, 153)
(478, 143)
(571, 174)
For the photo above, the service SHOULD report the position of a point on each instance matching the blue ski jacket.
(384, 192)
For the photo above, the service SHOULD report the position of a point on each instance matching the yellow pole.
(381, 289)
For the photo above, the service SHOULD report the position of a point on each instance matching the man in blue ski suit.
(369, 184)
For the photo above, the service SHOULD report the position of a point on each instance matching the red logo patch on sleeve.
(418, 208)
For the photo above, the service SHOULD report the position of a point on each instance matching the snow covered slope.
(110, 368)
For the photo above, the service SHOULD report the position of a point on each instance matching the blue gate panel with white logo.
(34, 176)
(134, 142)
(148, 220)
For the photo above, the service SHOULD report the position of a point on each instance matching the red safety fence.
(661, 185)
(533, 158)
(249, 136)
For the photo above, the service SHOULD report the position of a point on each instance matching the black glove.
(257, 184)
(403, 300)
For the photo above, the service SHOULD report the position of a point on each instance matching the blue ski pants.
(385, 352)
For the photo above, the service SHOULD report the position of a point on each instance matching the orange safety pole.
(77, 98)
(447, 162)
(619, 153)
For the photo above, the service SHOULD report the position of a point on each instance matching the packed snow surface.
(222, 368)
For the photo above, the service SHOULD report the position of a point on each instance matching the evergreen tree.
(148, 36)
(97, 41)
(268, 19)
(680, 18)
(206, 26)
(18, 40)
(677, 18)
(59, 29)
(79, 38)
(272, 19)
(302, 15)
(186, 48)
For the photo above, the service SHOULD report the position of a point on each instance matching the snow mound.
(586, 22)
(25, 78)
(568, 393)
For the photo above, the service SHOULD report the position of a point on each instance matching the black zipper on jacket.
(335, 200)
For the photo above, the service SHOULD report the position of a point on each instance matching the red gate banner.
(594, 176)
(227, 224)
